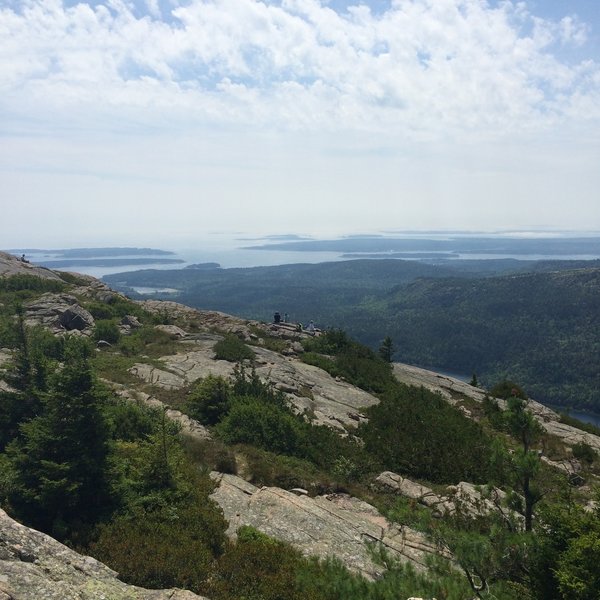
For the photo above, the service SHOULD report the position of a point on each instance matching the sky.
(163, 122)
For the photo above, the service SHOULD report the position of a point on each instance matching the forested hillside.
(536, 321)
(108, 445)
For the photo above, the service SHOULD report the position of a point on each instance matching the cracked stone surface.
(58, 313)
(335, 525)
(469, 499)
(34, 566)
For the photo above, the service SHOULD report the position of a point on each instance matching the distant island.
(92, 252)
(404, 255)
(206, 265)
(105, 262)
(480, 245)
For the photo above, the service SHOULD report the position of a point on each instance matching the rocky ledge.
(11, 265)
(334, 525)
(327, 400)
(33, 566)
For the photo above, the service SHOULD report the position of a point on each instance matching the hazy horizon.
(168, 119)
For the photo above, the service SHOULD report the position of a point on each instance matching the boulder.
(159, 377)
(172, 330)
(59, 313)
(309, 389)
(131, 321)
(33, 566)
(76, 317)
(470, 500)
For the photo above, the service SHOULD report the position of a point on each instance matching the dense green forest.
(117, 480)
(536, 321)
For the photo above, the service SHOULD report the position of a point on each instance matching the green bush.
(231, 348)
(107, 330)
(269, 427)
(584, 452)
(257, 568)
(505, 389)
(160, 549)
(209, 400)
(589, 427)
(16, 283)
(415, 431)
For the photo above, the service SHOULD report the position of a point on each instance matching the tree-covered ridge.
(119, 481)
(539, 327)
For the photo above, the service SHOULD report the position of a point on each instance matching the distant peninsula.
(92, 252)
(106, 262)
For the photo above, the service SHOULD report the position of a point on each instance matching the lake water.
(586, 417)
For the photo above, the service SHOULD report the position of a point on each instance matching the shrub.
(257, 568)
(414, 431)
(107, 330)
(269, 427)
(506, 389)
(16, 283)
(584, 452)
(209, 400)
(231, 348)
(161, 549)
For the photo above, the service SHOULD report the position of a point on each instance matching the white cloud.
(421, 66)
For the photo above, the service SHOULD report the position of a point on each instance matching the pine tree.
(59, 459)
(25, 378)
(387, 350)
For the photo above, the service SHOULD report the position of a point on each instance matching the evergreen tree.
(59, 459)
(26, 378)
(387, 350)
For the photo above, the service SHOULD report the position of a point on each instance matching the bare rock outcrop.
(469, 499)
(11, 265)
(309, 389)
(59, 313)
(335, 525)
(34, 566)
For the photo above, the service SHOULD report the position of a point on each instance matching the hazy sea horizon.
(244, 251)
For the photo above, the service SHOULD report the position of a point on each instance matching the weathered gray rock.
(76, 317)
(11, 265)
(5, 358)
(131, 321)
(33, 566)
(95, 289)
(470, 500)
(394, 483)
(172, 330)
(189, 427)
(309, 389)
(335, 525)
(59, 313)
(159, 377)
